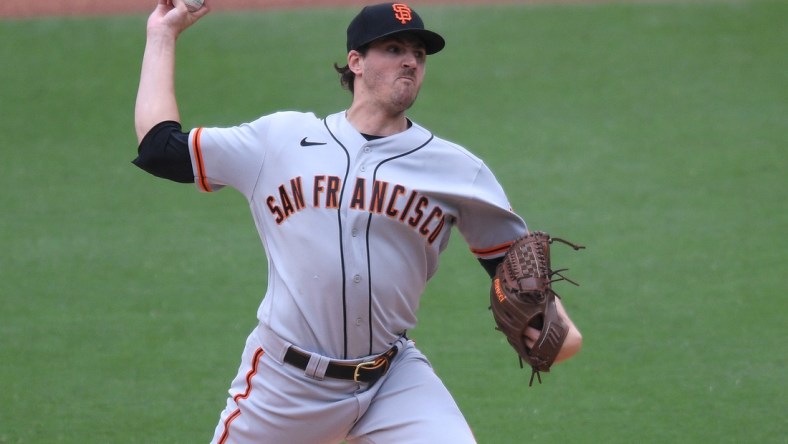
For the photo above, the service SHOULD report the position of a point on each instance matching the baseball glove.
(522, 296)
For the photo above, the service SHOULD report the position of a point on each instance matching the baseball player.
(353, 210)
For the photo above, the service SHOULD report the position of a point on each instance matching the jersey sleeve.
(487, 221)
(228, 156)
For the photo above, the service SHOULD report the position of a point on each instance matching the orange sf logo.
(402, 12)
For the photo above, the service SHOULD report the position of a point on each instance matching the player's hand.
(531, 336)
(571, 344)
(173, 19)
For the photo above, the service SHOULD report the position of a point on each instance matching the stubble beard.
(402, 94)
(402, 100)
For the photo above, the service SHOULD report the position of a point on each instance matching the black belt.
(368, 371)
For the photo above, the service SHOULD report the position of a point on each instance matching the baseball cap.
(387, 19)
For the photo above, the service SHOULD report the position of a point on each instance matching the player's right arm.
(156, 101)
(163, 146)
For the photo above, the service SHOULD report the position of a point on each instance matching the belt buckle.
(368, 365)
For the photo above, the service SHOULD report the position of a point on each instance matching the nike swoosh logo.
(305, 142)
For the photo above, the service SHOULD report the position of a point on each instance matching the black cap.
(386, 19)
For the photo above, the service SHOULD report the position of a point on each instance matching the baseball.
(193, 5)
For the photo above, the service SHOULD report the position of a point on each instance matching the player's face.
(393, 70)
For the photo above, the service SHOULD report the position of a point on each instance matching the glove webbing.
(534, 369)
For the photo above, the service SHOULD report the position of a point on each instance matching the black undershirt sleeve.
(164, 152)
(490, 265)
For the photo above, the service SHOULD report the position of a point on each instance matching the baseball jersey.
(352, 228)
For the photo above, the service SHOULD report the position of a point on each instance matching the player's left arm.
(477, 224)
(490, 265)
(573, 341)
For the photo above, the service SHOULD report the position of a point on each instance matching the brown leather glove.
(521, 296)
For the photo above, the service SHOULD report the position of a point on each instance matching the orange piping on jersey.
(235, 414)
(202, 181)
(493, 251)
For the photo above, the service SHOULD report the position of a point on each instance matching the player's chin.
(405, 99)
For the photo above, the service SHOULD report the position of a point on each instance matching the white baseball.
(193, 5)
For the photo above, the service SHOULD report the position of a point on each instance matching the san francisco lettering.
(391, 200)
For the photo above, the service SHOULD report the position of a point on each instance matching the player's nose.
(411, 59)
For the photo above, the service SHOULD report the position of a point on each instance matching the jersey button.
(367, 149)
(354, 233)
(363, 168)
(357, 278)
(359, 321)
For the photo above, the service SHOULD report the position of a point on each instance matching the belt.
(367, 371)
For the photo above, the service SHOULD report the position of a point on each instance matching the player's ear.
(354, 59)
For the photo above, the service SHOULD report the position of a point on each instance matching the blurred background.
(654, 133)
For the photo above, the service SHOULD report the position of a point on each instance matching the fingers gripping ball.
(521, 296)
(193, 5)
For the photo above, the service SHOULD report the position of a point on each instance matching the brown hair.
(346, 77)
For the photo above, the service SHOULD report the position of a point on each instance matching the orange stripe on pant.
(235, 414)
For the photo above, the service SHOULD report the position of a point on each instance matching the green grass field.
(655, 134)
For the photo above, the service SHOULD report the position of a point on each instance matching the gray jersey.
(352, 228)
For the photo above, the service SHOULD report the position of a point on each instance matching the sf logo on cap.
(402, 12)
